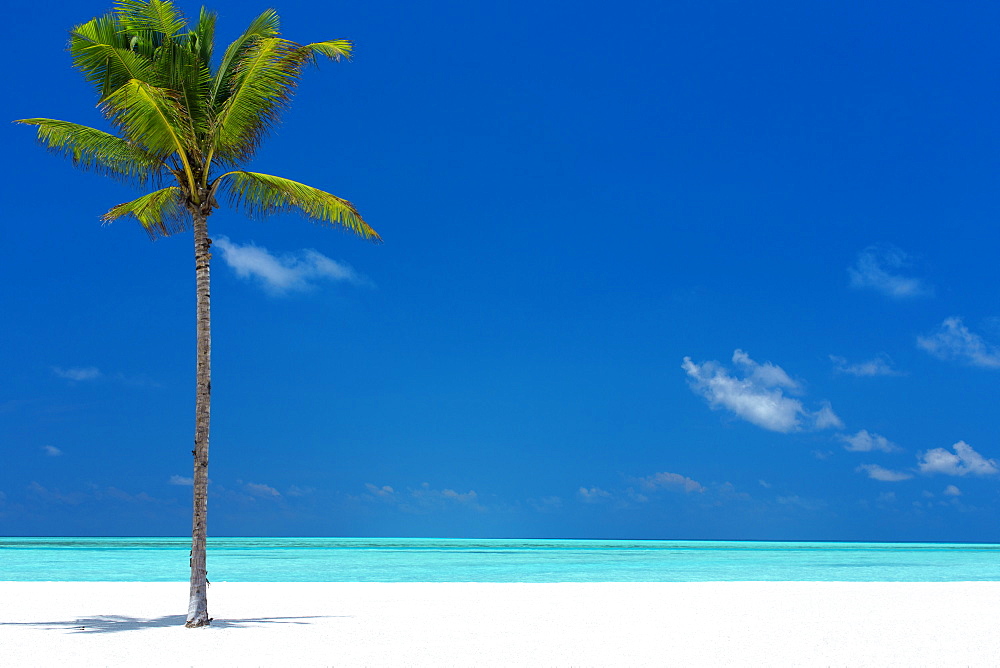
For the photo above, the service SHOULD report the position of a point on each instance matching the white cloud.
(765, 484)
(426, 497)
(877, 269)
(758, 396)
(801, 502)
(295, 490)
(825, 418)
(766, 374)
(876, 472)
(51, 450)
(77, 372)
(384, 492)
(951, 490)
(593, 494)
(954, 341)
(460, 497)
(546, 504)
(963, 461)
(863, 441)
(180, 480)
(670, 481)
(879, 366)
(262, 490)
(82, 373)
(288, 272)
(93, 493)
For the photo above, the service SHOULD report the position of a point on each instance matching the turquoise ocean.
(471, 560)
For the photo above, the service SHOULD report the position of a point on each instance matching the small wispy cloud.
(385, 491)
(546, 504)
(864, 441)
(756, 393)
(951, 490)
(876, 472)
(877, 268)
(427, 497)
(51, 451)
(287, 272)
(954, 341)
(93, 493)
(77, 373)
(85, 373)
(963, 461)
(592, 494)
(879, 366)
(670, 481)
(804, 503)
(424, 498)
(261, 490)
(180, 480)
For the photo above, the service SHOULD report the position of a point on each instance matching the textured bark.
(198, 602)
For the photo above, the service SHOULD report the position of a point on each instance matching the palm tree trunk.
(198, 602)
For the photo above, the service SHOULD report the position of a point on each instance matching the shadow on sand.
(116, 623)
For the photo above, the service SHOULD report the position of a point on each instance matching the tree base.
(196, 623)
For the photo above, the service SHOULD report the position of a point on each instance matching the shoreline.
(497, 624)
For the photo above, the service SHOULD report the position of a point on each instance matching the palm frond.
(194, 81)
(203, 36)
(104, 69)
(92, 149)
(261, 195)
(115, 65)
(150, 116)
(161, 213)
(263, 27)
(180, 68)
(150, 17)
(264, 78)
(334, 49)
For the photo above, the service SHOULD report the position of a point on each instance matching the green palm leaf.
(334, 49)
(149, 17)
(97, 49)
(263, 80)
(180, 69)
(152, 117)
(261, 195)
(92, 149)
(118, 65)
(263, 27)
(160, 212)
(203, 36)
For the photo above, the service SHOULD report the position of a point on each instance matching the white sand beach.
(474, 624)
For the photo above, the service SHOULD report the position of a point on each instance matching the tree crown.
(179, 113)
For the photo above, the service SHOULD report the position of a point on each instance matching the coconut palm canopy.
(187, 117)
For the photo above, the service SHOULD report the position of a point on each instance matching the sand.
(476, 624)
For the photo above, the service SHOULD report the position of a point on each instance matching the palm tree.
(192, 122)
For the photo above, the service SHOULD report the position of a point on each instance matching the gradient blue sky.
(651, 270)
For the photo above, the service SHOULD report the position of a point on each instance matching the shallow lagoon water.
(471, 560)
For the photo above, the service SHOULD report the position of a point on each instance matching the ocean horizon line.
(514, 538)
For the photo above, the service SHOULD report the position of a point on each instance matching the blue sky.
(651, 270)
